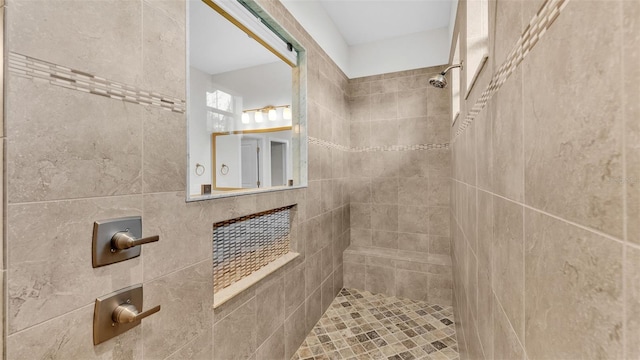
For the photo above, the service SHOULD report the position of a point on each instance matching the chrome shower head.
(440, 81)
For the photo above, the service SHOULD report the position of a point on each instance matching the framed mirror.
(246, 108)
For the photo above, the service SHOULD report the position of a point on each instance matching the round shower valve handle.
(127, 313)
(123, 240)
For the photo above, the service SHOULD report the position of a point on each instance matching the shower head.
(440, 81)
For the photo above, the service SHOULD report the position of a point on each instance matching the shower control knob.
(124, 240)
(127, 313)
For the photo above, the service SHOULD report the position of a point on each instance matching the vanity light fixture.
(271, 112)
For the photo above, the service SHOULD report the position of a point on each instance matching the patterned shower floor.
(361, 325)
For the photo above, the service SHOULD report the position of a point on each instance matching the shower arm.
(451, 67)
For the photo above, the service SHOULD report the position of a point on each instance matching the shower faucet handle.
(123, 240)
(127, 313)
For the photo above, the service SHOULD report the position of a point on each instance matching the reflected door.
(250, 152)
(278, 163)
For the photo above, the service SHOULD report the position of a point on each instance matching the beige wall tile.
(438, 220)
(273, 347)
(360, 134)
(384, 132)
(361, 216)
(270, 310)
(439, 162)
(49, 262)
(164, 156)
(294, 285)
(164, 49)
(485, 231)
(384, 106)
(485, 313)
(573, 155)
(413, 219)
(103, 39)
(359, 107)
(631, 106)
(508, 22)
(295, 330)
(414, 242)
(384, 217)
(384, 191)
(413, 103)
(326, 293)
(573, 286)
(414, 191)
(385, 239)
(354, 275)
(632, 283)
(186, 309)
(411, 285)
(440, 289)
(314, 309)
(380, 280)
(484, 149)
(185, 234)
(508, 261)
(413, 164)
(71, 337)
(505, 341)
(439, 191)
(201, 348)
(508, 161)
(234, 337)
(439, 101)
(326, 262)
(313, 272)
(49, 160)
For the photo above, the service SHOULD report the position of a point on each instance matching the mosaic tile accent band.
(330, 145)
(361, 325)
(243, 245)
(35, 69)
(538, 26)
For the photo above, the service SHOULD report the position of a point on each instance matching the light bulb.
(245, 118)
(272, 115)
(286, 113)
(258, 116)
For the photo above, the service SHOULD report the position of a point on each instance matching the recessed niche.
(248, 248)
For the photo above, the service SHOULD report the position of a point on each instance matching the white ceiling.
(371, 37)
(210, 35)
(365, 21)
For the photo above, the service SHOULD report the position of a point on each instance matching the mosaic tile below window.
(243, 245)
(361, 325)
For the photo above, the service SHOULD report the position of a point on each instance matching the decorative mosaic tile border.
(35, 69)
(538, 26)
(330, 145)
(243, 245)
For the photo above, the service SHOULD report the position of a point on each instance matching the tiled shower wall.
(399, 181)
(73, 157)
(545, 215)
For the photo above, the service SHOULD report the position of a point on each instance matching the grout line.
(77, 309)
(587, 228)
(495, 297)
(625, 220)
(91, 198)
